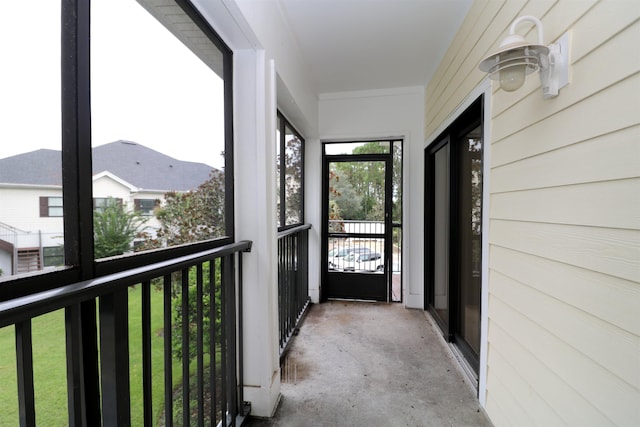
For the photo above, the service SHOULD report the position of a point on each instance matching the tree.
(345, 197)
(368, 182)
(114, 229)
(292, 191)
(193, 216)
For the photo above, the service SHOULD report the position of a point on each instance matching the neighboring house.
(31, 227)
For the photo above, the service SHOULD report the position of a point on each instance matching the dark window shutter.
(136, 204)
(44, 206)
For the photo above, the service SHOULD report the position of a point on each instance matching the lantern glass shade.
(512, 78)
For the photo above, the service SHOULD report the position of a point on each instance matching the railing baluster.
(199, 345)
(24, 364)
(281, 287)
(213, 309)
(75, 388)
(240, 356)
(83, 388)
(304, 271)
(147, 397)
(223, 342)
(168, 359)
(114, 360)
(231, 373)
(287, 281)
(295, 283)
(186, 353)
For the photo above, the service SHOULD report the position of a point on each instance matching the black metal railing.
(293, 280)
(190, 311)
(356, 246)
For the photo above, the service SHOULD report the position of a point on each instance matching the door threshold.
(468, 374)
(465, 367)
(354, 300)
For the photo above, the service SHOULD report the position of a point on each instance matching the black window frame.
(77, 183)
(285, 125)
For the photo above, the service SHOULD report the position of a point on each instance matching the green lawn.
(49, 361)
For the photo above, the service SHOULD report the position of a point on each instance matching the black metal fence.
(356, 246)
(293, 280)
(199, 298)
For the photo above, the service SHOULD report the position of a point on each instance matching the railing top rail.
(11, 229)
(29, 306)
(293, 230)
(356, 221)
(358, 235)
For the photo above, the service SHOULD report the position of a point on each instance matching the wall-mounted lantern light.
(515, 58)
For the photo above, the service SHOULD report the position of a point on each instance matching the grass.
(49, 365)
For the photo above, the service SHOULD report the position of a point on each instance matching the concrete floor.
(372, 364)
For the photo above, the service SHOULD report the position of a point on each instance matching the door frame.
(389, 225)
(472, 114)
(485, 90)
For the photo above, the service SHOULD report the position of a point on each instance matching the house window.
(101, 203)
(51, 207)
(53, 256)
(290, 170)
(146, 207)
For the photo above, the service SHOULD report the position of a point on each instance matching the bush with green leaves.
(114, 229)
(177, 344)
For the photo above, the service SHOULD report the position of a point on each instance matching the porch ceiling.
(373, 44)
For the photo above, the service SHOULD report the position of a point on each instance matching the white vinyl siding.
(564, 232)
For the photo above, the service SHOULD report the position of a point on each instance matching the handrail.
(12, 228)
(356, 221)
(360, 235)
(293, 230)
(29, 306)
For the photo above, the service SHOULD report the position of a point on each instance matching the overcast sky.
(146, 86)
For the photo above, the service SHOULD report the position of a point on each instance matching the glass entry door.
(360, 256)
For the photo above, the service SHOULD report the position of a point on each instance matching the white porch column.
(255, 208)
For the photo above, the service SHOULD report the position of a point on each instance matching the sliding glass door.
(453, 232)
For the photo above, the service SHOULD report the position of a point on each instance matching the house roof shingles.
(136, 164)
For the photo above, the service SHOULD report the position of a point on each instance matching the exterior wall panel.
(564, 264)
(20, 209)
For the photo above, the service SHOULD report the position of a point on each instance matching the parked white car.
(371, 261)
(338, 254)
